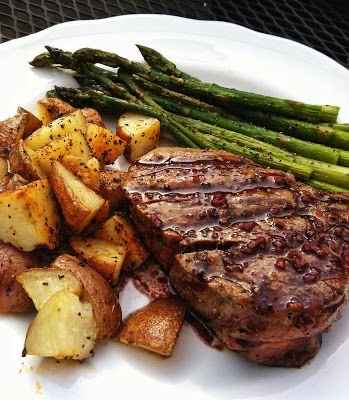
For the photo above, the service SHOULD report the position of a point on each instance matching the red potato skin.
(76, 213)
(105, 304)
(111, 187)
(13, 298)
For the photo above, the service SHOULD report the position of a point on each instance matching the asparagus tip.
(42, 60)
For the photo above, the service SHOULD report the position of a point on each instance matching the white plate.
(216, 51)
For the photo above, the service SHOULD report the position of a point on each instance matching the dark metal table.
(321, 24)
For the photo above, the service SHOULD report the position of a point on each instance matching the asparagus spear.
(161, 63)
(223, 96)
(341, 127)
(317, 133)
(267, 159)
(294, 145)
(42, 60)
(326, 186)
(53, 57)
(332, 174)
(114, 88)
(89, 83)
(180, 97)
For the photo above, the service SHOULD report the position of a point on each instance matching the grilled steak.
(262, 258)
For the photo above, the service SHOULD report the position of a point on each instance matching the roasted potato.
(102, 214)
(119, 231)
(49, 109)
(155, 327)
(12, 182)
(105, 305)
(93, 116)
(15, 128)
(64, 327)
(105, 257)
(86, 171)
(32, 123)
(23, 161)
(42, 283)
(28, 216)
(73, 144)
(3, 168)
(11, 130)
(79, 203)
(58, 129)
(104, 144)
(141, 133)
(12, 296)
(110, 187)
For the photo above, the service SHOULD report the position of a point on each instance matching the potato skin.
(118, 229)
(15, 128)
(23, 164)
(93, 116)
(12, 182)
(76, 214)
(3, 168)
(104, 302)
(73, 211)
(32, 123)
(88, 172)
(156, 326)
(13, 298)
(52, 108)
(110, 187)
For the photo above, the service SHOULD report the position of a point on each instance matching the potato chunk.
(51, 108)
(93, 116)
(23, 161)
(73, 144)
(110, 187)
(140, 132)
(31, 122)
(13, 298)
(64, 327)
(15, 128)
(87, 171)
(12, 182)
(98, 292)
(28, 216)
(119, 231)
(58, 129)
(79, 203)
(106, 146)
(105, 257)
(3, 168)
(42, 283)
(155, 327)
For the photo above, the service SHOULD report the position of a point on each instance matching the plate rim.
(107, 25)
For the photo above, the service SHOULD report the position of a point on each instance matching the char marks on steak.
(262, 258)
